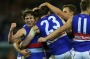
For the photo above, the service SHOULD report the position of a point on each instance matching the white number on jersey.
(84, 25)
(47, 24)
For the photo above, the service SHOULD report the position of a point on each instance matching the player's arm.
(54, 9)
(13, 26)
(57, 32)
(34, 30)
(11, 37)
(23, 52)
(16, 45)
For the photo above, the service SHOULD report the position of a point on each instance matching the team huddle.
(66, 33)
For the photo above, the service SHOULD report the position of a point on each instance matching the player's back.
(81, 30)
(47, 25)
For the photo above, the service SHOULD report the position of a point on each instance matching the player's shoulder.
(35, 28)
(79, 15)
(22, 30)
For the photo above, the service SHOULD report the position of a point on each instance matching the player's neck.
(85, 12)
(43, 16)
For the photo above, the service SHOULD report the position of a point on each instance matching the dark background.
(10, 11)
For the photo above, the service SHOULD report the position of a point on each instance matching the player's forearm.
(10, 35)
(16, 46)
(25, 42)
(53, 35)
(56, 11)
(58, 32)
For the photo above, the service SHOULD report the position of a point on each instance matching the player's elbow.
(10, 42)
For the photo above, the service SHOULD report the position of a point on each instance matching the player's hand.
(35, 8)
(25, 53)
(13, 26)
(43, 4)
(42, 39)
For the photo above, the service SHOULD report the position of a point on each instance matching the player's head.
(36, 13)
(85, 5)
(69, 9)
(28, 17)
(44, 10)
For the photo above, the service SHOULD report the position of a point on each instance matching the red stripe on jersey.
(34, 45)
(80, 34)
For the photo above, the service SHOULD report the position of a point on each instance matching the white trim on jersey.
(49, 42)
(35, 50)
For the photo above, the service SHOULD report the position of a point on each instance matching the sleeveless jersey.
(47, 25)
(81, 30)
(33, 43)
(35, 48)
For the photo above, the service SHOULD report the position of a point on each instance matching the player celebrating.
(61, 46)
(81, 30)
(34, 48)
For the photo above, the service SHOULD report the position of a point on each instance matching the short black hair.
(71, 8)
(84, 4)
(37, 13)
(44, 10)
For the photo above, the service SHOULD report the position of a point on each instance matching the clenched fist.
(13, 26)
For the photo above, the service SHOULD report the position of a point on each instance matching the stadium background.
(10, 11)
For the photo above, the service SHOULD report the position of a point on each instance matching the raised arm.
(34, 30)
(10, 35)
(54, 9)
(57, 32)
(13, 38)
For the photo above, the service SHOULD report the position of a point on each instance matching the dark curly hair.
(25, 12)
